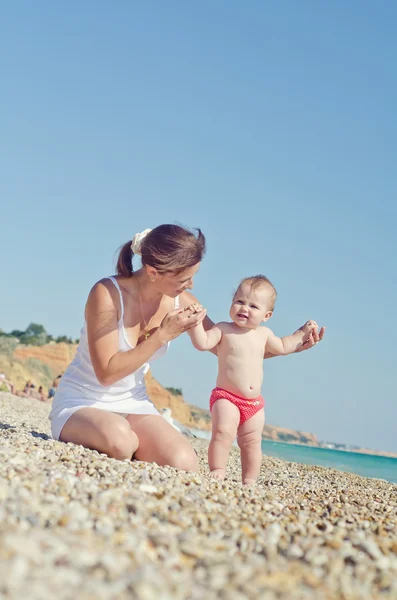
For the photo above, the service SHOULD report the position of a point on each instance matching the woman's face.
(173, 285)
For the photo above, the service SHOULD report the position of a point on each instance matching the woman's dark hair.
(167, 248)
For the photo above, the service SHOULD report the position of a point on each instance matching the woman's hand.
(313, 339)
(179, 320)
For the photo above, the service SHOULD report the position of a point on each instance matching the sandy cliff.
(281, 434)
(181, 411)
(56, 356)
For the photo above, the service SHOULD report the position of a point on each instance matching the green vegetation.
(174, 391)
(8, 345)
(34, 335)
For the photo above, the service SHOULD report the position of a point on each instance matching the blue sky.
(269, 125)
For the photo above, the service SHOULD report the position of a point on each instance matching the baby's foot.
(218, 474)
(249, 481)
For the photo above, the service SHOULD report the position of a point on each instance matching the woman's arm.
(109, 364)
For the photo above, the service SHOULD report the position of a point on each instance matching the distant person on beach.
(236, 404)
(6, 385)
(130, 319)
(28, 387)
(29, 391)
(52, 389)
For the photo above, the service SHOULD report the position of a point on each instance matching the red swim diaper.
(248, 407)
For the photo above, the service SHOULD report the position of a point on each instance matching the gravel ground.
(77, 524)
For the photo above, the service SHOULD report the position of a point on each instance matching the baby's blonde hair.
(257, 281)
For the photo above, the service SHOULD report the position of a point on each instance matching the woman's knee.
(107, 433)
(120, 442)
(184, 459)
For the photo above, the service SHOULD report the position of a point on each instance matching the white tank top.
(80, 382)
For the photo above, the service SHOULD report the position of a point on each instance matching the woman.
(101, 401)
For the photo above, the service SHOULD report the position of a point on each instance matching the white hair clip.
(137, 241)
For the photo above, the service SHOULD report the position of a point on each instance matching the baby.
(236, 404)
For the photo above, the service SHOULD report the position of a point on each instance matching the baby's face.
(251, 307)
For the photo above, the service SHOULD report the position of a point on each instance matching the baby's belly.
(242, 382)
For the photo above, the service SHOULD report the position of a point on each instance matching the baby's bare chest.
(241, 347)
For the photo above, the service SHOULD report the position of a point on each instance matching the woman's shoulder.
(103, 293)
(111, 282)
(102, 286)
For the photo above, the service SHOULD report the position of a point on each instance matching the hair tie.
(137, 240)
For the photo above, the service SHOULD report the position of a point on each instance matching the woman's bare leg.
(149, 437)
(102, 431)
(249, 439)
(161, 443)
(225, 420)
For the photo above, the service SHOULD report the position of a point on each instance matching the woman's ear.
(151, 273)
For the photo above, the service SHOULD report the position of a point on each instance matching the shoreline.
(342, 460)
(360, 451)
(75, 523)
(342, 451)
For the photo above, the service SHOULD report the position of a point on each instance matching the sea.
(367, 465)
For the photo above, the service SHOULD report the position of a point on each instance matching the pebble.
(75, 523)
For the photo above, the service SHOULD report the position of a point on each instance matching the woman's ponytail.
(124, 261)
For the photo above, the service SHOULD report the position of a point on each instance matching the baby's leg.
(249, 438)
(225, 420)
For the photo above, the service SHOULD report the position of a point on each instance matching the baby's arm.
(205, 340)
(290, 343)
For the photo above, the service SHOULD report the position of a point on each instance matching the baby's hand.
(196, 313)
(194, 308)
(309, 326)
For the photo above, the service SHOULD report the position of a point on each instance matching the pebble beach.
(77, 524)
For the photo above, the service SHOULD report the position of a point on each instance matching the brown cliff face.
(281, 434)
(181, 411)
(56, 356)
(39, 364)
